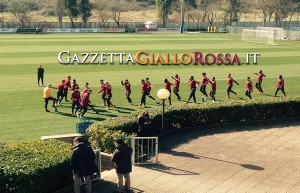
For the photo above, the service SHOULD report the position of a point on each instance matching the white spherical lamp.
(163, 94)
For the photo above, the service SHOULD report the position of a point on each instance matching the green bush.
(191, 115)
(37, 166)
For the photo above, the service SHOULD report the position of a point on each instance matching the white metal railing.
(97, 176)
(145, 150)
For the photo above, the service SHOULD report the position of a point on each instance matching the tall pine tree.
(85, 10)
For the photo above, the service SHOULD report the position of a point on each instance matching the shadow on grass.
(123, 112)
(109, 115)
(86, 117)
(124, 108)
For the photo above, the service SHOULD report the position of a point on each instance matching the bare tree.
(281, 11)
(102, 6)
(247, 6)
(163, 10)
(117, 7)
(211, 16)
(231, 9)
(205, 7)
(59, 8)
(20, 9)
(263, 6)
(294, 6)
(187, 6)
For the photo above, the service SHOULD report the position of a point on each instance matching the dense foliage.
(178, 116)
(29, 167)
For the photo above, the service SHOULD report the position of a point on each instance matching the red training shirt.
(75, 96)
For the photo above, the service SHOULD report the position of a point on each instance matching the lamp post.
(182, 16)
(163, 94)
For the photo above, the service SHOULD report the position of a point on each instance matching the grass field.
(22, 112)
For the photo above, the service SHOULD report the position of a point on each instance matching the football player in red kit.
(85, 101)
(75, 97)
(203, 84)
(86, 90)
(230, 82)
(193, 86)
(127, 85)
(144, 93)
(249, 88)
(67, 87)
(167, 86)
(108, 92)
(213, 88)
(74, 85)
(102, 91)
(260, 76)
(149, 87)
(60, 91)
(280, 86)
(176, 86)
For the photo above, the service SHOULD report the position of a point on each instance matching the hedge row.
(37, 166)
(191, 115)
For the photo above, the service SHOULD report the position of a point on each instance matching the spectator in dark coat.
(143, 124)
(82, 164)
(40, 73)
(122, 161)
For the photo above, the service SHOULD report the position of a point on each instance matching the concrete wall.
(106, 163)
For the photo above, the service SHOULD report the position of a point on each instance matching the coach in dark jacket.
(82, 164)
(122, 160)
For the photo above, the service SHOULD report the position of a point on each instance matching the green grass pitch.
(22, 112)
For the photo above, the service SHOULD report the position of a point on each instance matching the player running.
(144, 93)
(249, 88)
(75, 97)
(126, 84)
(60, 91)
(74, 85)
(203, 84)
(230, 82)
(67, 87)
(176, 86)
(213, 88)
(102, 91)
(85, 101)
(149, 87)
(86, 90)
(260, 76)
(167, 86)
(193, 86)
(280, 86)
(108, 93)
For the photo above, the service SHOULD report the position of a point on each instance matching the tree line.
(226, 11)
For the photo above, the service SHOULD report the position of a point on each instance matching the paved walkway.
(256, 160)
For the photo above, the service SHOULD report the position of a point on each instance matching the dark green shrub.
(37, 166)
(192, 115)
